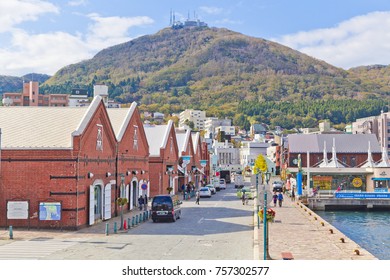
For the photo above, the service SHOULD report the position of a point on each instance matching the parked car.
(249, 192)
(212, 188)
(222, 184)
(277, 186)
(166, 207)
(204, 192)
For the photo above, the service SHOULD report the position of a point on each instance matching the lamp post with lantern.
(203, 163)
(186, 161)
(265, 221)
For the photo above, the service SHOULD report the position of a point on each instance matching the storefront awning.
(381, 179)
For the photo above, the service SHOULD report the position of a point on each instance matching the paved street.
(205, 231)
(220, 228)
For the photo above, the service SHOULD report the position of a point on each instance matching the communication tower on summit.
(187, 23)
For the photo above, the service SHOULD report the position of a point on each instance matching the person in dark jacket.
(140, 202)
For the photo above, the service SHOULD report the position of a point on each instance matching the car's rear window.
(162, 202)
(204, 189)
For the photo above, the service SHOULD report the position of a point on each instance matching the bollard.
(128, 222)
(106, 228)
(144, 216)
(147, 215)
(124, 224)
(136, 219)
(133, 221)
(115, 228)
(11, 234)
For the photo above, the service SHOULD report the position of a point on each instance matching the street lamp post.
(203, 163)
(186, 161)
(257, 200)
(170, 172)
(265, 222)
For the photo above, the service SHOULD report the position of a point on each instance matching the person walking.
(146, 202)
(197, 197)
(243, 197)
(280, 199)
(293, 195)
(140, 202)
(275, 198)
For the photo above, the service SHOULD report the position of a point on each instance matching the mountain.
(226, 73)
(213, 64)
(15, 84)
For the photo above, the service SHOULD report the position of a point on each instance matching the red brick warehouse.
(57, 166)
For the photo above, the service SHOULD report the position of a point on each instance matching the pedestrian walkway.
(33, 249)
(306, 236)
(86, 232)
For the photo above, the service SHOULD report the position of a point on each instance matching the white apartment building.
(250, 150)
(211, 124)
(196, 116)
(228, 156)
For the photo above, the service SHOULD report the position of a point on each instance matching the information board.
(17, 210)
(50, 211)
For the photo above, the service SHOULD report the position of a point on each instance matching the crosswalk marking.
(32, 250)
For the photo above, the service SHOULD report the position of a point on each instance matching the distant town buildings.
(30, 96)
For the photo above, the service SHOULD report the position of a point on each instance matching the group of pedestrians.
(143, 202)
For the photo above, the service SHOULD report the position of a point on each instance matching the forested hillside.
(227, 73)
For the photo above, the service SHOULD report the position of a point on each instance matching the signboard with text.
(373, 195)
(17, 210)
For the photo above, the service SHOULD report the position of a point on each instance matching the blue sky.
(44, 35)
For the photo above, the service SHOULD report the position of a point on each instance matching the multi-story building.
(228, 156)
(196, 116)
(250, 150)
(228, 130)
(384, 131)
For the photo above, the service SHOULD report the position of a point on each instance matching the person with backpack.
(280, 199)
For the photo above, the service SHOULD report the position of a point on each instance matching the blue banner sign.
(363, 195)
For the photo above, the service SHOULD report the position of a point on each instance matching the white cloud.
(362, 40)
(108, 31)
(14, 12)
(43, 53)
(48, 52)
(78, 3)
(211, 10)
